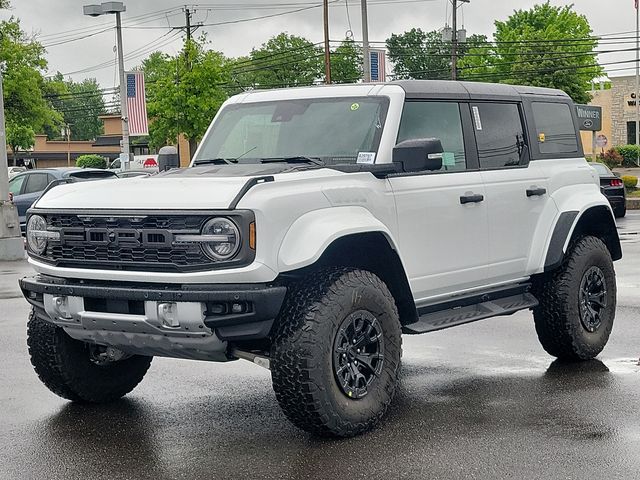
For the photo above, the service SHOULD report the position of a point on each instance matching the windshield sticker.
(366, 157)
(476, 117)
(449, 159)
(355, 106)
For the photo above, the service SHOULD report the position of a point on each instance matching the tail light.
(616, 182)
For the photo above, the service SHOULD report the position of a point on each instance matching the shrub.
(629, 154)
(611, 158)
(91, 161)
(629, 181)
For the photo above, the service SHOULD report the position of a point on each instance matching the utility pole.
(327, 52)
(366, 55)
(11, 246)
(454, 39)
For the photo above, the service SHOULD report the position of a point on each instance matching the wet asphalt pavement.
(478, 401)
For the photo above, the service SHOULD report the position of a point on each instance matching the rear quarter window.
(555, 131)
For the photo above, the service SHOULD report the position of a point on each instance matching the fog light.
(167, 313)
(237, 308)
(61, 307)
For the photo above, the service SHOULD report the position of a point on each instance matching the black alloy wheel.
(358, 353)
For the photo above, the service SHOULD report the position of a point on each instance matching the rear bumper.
(106, 310)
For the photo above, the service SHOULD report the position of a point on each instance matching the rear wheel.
(577, 302)
(336, 352)
(79, 371)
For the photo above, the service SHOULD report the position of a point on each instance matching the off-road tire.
(302, 352)
(64, 366)
(558, 319)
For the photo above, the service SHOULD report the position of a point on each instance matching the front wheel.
(577, 302)
(80, 371)
(336, 351)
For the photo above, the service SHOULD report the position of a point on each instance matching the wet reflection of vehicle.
(612, 187)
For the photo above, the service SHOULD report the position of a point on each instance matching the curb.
(633, 203)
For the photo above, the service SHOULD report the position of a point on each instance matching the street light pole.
(124, 109)
(117, 8)
(366, 55)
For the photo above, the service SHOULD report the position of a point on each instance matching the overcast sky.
(57, 21)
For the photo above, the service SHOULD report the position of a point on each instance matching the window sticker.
(541, 137)
(476, 117)
(366, 157)
(448, 159)
(355, 106)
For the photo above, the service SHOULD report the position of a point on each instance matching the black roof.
(449, 89)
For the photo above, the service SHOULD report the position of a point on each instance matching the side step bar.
(486, 306)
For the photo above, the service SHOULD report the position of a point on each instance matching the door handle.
(536, 191)
(472, 198)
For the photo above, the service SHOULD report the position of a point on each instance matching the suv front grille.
(133, 242)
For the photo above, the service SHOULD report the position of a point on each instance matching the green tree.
(184, 92)
(5, 4)
(284, 61)
(346, 62)
(80, 104)
(26, 109)
(545, 46)
(419, 55)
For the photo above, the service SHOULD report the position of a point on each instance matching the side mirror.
(419, 155)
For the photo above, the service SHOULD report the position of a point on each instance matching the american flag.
(378, 73)
(137, 104)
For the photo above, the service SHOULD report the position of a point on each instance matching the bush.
(630, 182)
(91, 161)
(611, 158)
(629, 154)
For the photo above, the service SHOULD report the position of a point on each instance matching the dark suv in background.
(613, 188)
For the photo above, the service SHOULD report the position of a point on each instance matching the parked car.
(315, 226)
(26, 187)
(613, 188)
(13, 171)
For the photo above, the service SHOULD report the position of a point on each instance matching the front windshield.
(334, 131)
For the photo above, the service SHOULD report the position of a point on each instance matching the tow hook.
(260, 360)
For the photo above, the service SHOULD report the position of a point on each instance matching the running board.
(459, 315)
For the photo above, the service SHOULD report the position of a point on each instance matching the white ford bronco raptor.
(314, 227)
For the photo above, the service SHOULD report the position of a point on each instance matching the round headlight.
(36, 238)
(225, 238)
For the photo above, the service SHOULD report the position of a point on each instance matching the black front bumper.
(262, 302)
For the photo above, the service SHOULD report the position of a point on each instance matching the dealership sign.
(589, 117)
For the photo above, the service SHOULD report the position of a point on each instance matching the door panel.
(516, 188)
(443, 242)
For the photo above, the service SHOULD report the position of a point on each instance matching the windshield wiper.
(294, 159)
(216, 161)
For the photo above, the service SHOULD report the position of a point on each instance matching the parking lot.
(481, 401)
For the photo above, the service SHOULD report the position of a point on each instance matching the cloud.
(47, 18)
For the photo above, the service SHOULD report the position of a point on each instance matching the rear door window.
(555, 130)
(439, 120)
(36, 182)
(499, 135)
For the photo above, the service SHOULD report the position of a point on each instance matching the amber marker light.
(252, 235)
